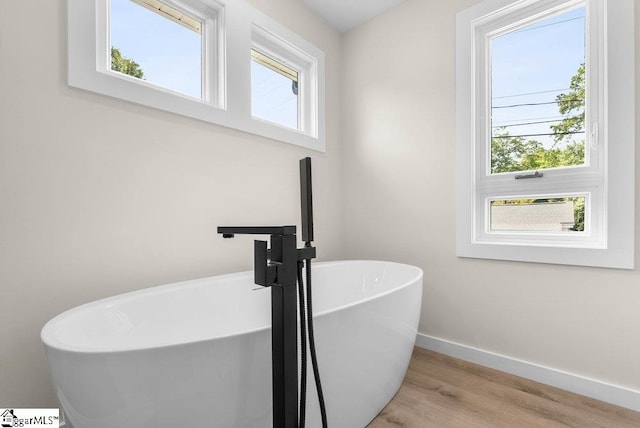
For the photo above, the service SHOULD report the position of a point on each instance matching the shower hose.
(306, 328)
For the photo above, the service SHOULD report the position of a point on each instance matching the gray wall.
(99, 196)
(398, 132)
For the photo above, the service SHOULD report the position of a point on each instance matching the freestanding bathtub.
(197, 353)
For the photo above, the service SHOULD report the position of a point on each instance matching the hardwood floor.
(445, 392)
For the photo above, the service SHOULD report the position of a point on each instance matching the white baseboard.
(599, 390)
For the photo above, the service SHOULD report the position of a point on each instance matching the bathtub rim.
(50, 342)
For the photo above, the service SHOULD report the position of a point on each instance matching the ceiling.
(347, 14)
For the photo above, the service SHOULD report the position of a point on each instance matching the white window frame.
(209, 13)
(306, 65)
(607, 178)
(227, 38)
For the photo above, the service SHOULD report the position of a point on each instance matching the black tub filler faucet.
(279, 268)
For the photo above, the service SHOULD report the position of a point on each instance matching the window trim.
(614, 247)
(230, 104)
(269, 44)
(212, 74)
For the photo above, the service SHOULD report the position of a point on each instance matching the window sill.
(618, 258)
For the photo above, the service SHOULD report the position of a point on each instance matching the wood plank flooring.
(445, 392)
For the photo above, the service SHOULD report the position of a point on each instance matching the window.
(284, 82)
(165, 41)
(542, 121)
(191, 57)
(537, 93)
(274, 90)
(548, 214)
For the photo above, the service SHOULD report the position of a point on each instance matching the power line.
(527, 123)
(530, 93)
(537, 135)
(531, 118)
(560, 118)
(547, 25)
(537, 104)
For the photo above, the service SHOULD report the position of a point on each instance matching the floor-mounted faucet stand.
(278, 268)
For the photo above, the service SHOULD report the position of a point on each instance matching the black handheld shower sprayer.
(279, 268)
(306, 310)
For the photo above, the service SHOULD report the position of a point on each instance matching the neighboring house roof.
(547, 216)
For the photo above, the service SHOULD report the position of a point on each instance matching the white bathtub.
(197, 353)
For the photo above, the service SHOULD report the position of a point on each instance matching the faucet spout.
(231, 231)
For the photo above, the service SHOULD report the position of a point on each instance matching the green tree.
(572, 154)
(578, 214)
(571, 106)
(125, 65)
(513, 153)
(508, 153)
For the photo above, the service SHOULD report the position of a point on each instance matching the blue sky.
(531, 65)
(168, 53)
(272, 96)
(170, 56)
(534, 65)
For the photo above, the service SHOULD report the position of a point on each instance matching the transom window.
(158, 43)
(284, 79)
(542, 214)
(274, 90)
(219, 61)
